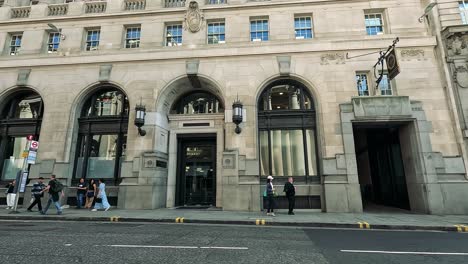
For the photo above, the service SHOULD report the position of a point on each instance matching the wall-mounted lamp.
(56, 30)
(140, 118)
(237, 115)
(426, 11)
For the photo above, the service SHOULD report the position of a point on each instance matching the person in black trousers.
(37, 194)
(270, 192)
(290, 191)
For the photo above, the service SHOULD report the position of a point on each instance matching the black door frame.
(192, 139)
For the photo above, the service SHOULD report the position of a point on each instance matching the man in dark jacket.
(37, 194)
(290, 191)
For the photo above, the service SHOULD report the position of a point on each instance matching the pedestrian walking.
(37, 194)
(10, 194)
(90, 193)
(55, 189)
(290, 191)
(101, 198)
(270, 193)
(81, 191)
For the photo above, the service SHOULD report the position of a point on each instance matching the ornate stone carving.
(460, 75)
(338, 58)
(457, 44)
(193, 18)
(413, 54)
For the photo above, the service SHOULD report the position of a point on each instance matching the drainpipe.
(453, 100)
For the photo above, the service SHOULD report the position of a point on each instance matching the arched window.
(20, 116)
(198, 103)
(287, 131)
(102, 134)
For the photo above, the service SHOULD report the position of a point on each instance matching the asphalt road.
(87, 242)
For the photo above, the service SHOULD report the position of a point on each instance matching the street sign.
(24, 179)
(24, 154)
(32, 157)
(34, 145)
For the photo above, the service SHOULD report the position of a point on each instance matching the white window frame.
(368, 15)
(311, 28)
(391, 88)
(217, 34)
(13, 48)
(463, 6)
(368, 82)
(259, 31)
(167, 38)
(50, 45)
(89, 43)
(132, 42)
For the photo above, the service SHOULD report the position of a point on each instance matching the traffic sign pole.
(20, 181)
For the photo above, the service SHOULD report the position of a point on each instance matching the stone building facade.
(73, 73)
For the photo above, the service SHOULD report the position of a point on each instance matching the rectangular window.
(463, 5)
(362, 84)
(92, 39)
(216, 2)
(53, 42)
(259, 30)
(385, 86)
(174, 35)
(303, 27)
(15, 43)
(374, 24)
(132, 37)
(216, 32)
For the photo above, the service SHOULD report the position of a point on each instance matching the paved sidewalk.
(306, 218)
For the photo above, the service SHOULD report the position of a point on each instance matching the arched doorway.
(20, 116)
(288, 135)
(197, 152)
(102, 134)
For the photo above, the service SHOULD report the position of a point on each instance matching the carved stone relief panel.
(336, 58)
(412, 54)
(457, 44)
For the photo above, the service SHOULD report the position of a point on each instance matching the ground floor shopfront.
(345, 153)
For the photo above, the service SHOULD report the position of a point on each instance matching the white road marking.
(172, 247)
(406, 252)
(68, 245)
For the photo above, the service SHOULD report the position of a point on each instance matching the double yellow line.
(260, 222)
(461, 228)
(364, 225)
(179, 220)
(114, 218)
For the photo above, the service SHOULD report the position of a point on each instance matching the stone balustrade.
(20, 12)
(95, 7)
(58, 10)
(174, 3)
(134, 5)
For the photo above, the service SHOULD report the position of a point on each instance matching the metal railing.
(20, 12)
(134, 5)
(174, 3)
(95, 7)
(58, 10)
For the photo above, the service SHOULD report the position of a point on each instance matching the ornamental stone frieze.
(412, 54)
(336, 58)
(193, 18)
(456, 41)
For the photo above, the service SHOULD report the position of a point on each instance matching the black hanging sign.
(392, 64)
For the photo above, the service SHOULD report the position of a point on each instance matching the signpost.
(29, 155)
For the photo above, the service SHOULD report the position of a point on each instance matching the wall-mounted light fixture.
(56, 30)
(428, 9)
(140, 118)
(237, 115)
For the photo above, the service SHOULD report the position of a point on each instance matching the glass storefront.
(20, 117)
(102, 138)
(287, 135)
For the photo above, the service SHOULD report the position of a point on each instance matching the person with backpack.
(54, 188)
(37, 194)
